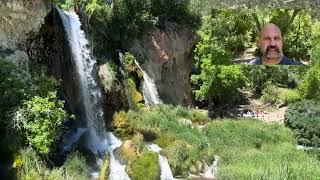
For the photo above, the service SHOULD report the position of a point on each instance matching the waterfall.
(166, 173)
(149, 89)
(99, 141)
(211, 172)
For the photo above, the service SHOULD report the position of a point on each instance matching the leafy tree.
(218, 83)
(223, 36)
(174, 10)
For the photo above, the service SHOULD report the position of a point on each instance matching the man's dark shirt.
(284, 61)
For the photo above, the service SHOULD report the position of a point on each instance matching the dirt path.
(274, 117)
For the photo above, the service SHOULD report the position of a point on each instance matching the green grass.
(30, 166)
(247, 148)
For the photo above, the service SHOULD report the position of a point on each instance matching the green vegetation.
(304, 119)
(276, 95)
(245, 147)
(104, 171)
(29, 166)
(13, 90)
(31, 116)
(218, 83)
(75, 167)
(132, 75)
(145, 167)
(310, 86)
(130, 65)
(41, 121)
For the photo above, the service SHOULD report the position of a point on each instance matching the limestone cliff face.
(18, 18)
(169, 55)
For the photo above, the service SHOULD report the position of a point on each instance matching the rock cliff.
(168, 56)
(18, 20)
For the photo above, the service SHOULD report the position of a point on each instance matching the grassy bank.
(246, 148)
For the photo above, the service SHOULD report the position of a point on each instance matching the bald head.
(271, 42)
(270, 27)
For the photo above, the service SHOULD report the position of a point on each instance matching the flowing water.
(166, 173)
(210, 172)
(149, 89)
(99, 141)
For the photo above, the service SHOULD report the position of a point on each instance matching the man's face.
(271, 42)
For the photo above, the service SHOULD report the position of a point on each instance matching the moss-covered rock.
(128, 152)
(121, 124)
(105, 169)
(146, 167)
(182, 156)
(136, 96)
(130, 65)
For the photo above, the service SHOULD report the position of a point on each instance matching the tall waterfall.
(98, 140)
(149, 89)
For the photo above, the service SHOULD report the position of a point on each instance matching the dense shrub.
(310, 86)
(41, 121)
(285, 76)
(304, 119)
(13, 90)
(276, 95)
(136, 96)
(75, 167)
(30, 166)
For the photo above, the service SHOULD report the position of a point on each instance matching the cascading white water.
(149, 89)
(98, 140)
(166, 173)
(210, 172)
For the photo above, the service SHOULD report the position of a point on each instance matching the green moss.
(128, 152)
(136, 96)
(104, 171)
(122, 125)
(130, 65)
(146, 167)
(165, 140)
